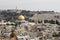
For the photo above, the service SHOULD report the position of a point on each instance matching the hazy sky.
(31, 4)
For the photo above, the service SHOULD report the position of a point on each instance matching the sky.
(36, 5)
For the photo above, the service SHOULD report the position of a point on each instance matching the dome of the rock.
(21, 17)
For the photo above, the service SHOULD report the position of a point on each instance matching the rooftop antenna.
(16, 9)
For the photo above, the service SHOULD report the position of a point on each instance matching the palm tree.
(13, 35)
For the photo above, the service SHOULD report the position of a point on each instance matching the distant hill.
(13, 14)
(46, 16)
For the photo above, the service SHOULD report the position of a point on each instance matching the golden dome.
(21, 17)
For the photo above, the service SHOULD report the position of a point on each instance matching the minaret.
(42, 21)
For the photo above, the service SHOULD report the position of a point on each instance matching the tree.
(46, 21)
(57, 22)
(52, 21)
(12, 34)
